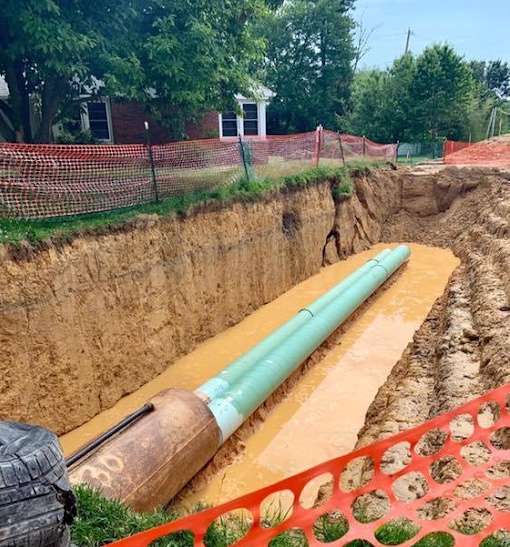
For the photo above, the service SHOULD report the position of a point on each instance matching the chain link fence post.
(244, 158)
(151, 161)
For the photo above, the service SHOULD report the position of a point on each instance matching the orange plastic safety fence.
(450, 475)
(450, 147)
(39, 181)
(53, 180)
(355, 147)
(489, 154)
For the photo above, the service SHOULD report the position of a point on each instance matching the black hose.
(128, 420)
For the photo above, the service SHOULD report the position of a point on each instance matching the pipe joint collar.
(212, 388)
(228, 418)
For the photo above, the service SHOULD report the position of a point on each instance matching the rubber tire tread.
(34, 488)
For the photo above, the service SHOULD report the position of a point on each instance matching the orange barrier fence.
(450, 476)
(485, 153)
(39, 181)
(450, 147)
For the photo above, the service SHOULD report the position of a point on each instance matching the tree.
(492, 90)
(198, 55)
(369, 106)
(401, 104)
(308, 63)
(361, 43)
(382, 106)
(493, 78)
(49, 48)
(497, 78)
(441, 89)
(192, 55)
(417, 98)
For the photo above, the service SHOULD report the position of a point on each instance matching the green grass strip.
(101, 521)
(15, 231)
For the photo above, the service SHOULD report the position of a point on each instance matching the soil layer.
(83, 324)
(463, 348)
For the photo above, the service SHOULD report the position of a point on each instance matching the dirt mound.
(501, 139)
(494, 153)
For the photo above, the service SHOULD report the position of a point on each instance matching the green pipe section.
(236, 404)
(223, 381)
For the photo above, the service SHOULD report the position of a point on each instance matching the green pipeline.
(223, 381)
(255, 385)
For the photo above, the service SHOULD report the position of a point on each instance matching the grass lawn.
(15, 231)
(101, 521)
(414, 160)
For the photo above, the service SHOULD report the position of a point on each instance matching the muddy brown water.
(321, 416)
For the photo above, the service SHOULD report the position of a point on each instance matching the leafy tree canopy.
(493, 77)
(308, 63)
(418, 98)
(442, 87)
(192, 55)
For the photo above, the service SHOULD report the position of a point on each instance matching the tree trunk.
(52, 96)
(20, 101)
(6, 129)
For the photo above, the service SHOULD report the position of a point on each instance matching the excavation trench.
(100, 318)
(319, 417)
(315, 416)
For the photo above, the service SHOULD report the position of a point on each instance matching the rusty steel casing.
(146, 464)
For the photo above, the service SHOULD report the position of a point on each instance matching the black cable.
(128, 420)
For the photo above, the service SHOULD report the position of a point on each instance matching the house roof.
(4, 88)
(260, 93)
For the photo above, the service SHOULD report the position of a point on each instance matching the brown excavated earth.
(84, 323)
(463, 348)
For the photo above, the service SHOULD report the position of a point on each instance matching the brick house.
(122, 122)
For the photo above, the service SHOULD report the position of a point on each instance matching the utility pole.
(408, 39)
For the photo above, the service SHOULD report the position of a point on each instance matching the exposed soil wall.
(85, 323)
(463, 348)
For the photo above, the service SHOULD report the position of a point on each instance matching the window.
(232, 125)
(86, 118)
(250, 120)
(229, 124)
(97, 120)
(73, 122)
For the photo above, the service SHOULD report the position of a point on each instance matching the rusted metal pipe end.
(147, 464)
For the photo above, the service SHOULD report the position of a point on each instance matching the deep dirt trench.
(463, 348)
(84, 324)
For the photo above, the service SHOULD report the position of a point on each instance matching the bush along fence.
(40, 181)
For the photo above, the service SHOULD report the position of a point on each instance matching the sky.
(477, 29)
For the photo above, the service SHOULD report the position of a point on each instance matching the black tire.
(36, 500)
